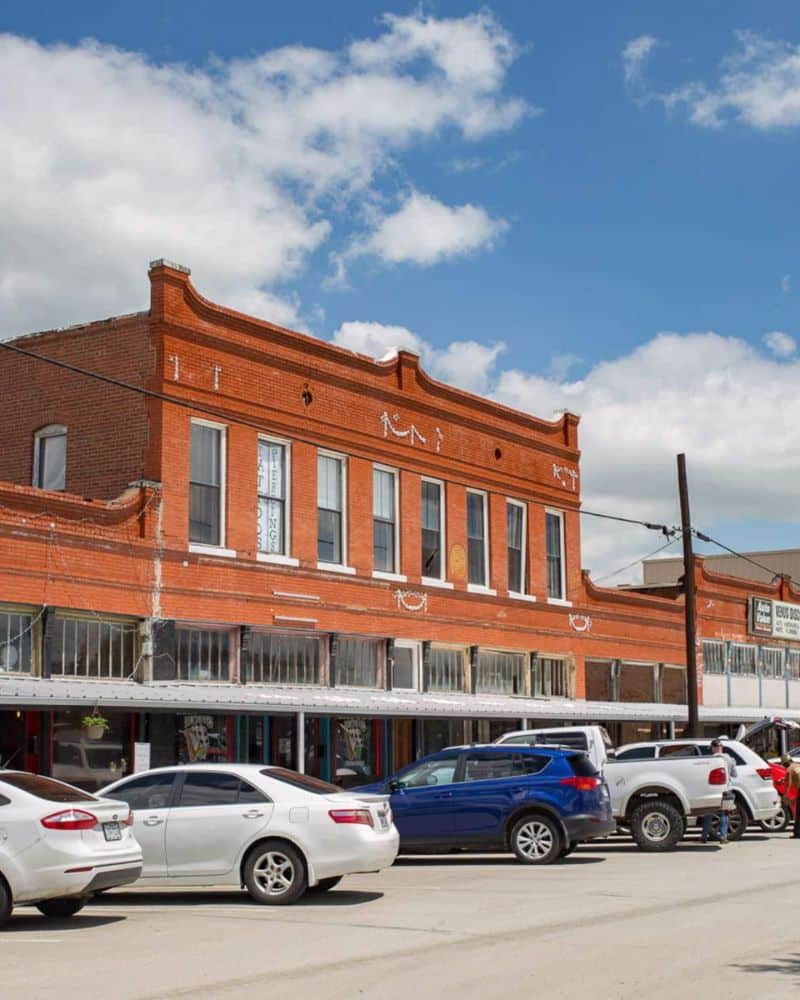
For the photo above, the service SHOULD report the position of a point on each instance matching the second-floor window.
(50, 458)
(432, 529)
(16, 641)
(515, 513)
(206, 496)
(476, 538)
(204, 654)
(92, 647)
(272, 498)
(384, 524)
(330, 509)
(554, 541)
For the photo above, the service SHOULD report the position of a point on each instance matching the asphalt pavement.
(609, 922)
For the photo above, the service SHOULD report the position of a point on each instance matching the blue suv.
(537, 801)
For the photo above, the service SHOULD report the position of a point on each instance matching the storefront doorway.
(12, 740)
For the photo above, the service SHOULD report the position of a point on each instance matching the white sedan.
(59, 844)
(268, 829)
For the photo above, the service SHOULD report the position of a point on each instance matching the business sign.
(776, 619)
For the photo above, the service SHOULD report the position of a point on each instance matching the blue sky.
(589, 210)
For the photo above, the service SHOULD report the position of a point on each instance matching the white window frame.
(416, 649)
(343, 566)
(481, 588)
(50, 431)
(563, 547)
(285, 558)
(395, 574)
(441, 580)
(201, 547)
(510, 502)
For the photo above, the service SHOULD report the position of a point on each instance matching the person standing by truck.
(730, 767)
(793, 789)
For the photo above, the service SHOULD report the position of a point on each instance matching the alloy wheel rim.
(656, 827)
(775, 822)
(535, 839)
(274, 873)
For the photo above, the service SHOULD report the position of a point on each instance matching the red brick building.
(245, 541)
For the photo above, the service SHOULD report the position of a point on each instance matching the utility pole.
(690, 609)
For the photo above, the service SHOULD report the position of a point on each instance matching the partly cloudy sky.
(565, 207)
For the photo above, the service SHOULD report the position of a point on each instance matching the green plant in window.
(96, 725)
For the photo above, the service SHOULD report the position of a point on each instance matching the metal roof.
(33, 692)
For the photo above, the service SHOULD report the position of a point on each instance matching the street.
(703, 921)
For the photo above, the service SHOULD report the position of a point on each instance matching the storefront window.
(444, 668)
(90, 763)
(89, 647)
(436, 734)
(285, 659)
(355, 751)
(500, 673)
(203, 738)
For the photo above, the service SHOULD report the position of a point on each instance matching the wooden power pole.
(690, 608)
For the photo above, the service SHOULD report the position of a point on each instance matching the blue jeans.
(723, 826)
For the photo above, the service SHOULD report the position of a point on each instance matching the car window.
(636, 753)
(679, 750)
(575, 741)
(249, 793)
(209, 788)
(304, 781)
(4, 801)
(482, 766)
(430, 772)
(149, 791)
(45, 788)
(526, 740)
(706, 752)
(582, 766)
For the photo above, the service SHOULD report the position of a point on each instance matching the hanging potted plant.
(95, 725)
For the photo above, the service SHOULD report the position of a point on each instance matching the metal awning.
(40, 693)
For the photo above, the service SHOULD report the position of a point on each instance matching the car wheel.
(656, 825)
(274, 873)
(6, 903)
(777, 823)
(737, 823)
(325, 884)
(566, 851)
(536, 840)
(61, 907)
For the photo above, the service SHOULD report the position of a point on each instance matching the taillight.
(582, 784)
(128, 821)
(765, 773)
(70, 819)
(360, 816)
(719, 776)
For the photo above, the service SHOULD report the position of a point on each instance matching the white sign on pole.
(141, 757)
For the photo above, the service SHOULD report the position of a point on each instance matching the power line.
(246, 422)
(636, 562)
(733, 552)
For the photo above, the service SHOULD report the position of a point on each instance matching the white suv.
(757, 798)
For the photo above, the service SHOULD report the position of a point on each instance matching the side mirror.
(611, 754)
(396, 786)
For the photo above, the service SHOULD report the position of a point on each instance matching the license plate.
(111, 831)
(383, 821)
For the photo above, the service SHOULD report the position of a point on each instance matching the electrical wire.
(636, 562)
(246, 422)
(707, 538)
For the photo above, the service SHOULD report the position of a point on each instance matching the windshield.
(44, 788)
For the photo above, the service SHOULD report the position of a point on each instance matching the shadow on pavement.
(188, 897)
(788, 966)
(420, 861)
(32, 922)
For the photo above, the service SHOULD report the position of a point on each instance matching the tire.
(566, 851)
(656, 825)
(325, 884)
(779, 822)
(61, 908)
(275, 874)
(6, 903)
(738, 819)
(536, 840)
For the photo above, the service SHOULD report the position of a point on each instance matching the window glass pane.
(53, 462)
(358, 662)
(431, 530)
(271, 469)
(714, 657)
(152, 791)
(636, 682)
(516, 548)
(329, 536)
(205, 459)
(476, 542)
(270, 526)
(432, 772)
(15, 642)
(383, 494)
(44, 788)
(486, 766)
(403, 673)
(554, 569)
(209, 789)
(250, 794)
(285, 659)
(673, 686)
(329, 483)
(203, 655)
(444, 669)
(772, 663)
(383, 546)
(500, 673)
(743, 660)
(552, 677)
(204, 514)
(271, 498)
(91, 648)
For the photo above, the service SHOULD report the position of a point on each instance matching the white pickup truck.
(654, 798)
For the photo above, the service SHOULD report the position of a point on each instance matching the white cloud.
(467, 364)
(786, 283)
(733, 409)
(781, 344)
(426, 231)
(634, 56)
(240, 169)
(759, 84)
